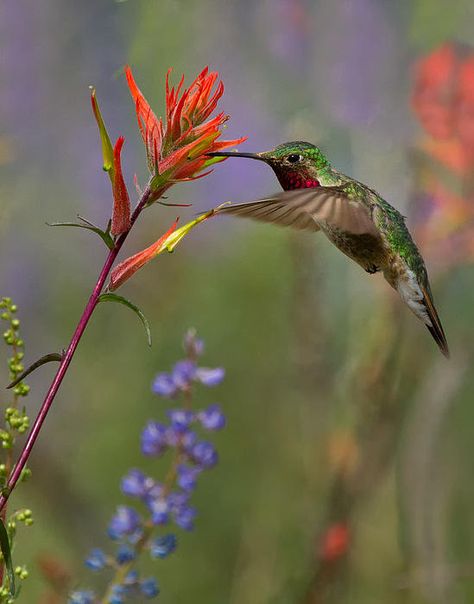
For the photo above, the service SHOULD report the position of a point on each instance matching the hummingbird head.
(297, 165)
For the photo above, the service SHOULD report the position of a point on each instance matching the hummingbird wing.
(309, 209)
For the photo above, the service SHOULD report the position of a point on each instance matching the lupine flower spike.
(162, 503)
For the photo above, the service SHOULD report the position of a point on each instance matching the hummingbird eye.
(294, 158)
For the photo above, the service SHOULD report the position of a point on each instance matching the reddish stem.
(63, 367)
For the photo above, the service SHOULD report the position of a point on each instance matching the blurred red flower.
(335, 542)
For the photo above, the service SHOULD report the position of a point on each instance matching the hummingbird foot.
(372, 268)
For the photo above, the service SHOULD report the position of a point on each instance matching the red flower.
(176, 148)
(128, 267)
(121, 211)
(335, 542)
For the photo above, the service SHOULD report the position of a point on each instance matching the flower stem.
(68, 356)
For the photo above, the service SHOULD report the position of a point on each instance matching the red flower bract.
(128, 267)
(121, 212)
(176, 147)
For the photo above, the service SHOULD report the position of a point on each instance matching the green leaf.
(104, 235)
(109, 297)
(107, 149)
(47, 358)
(7, 556)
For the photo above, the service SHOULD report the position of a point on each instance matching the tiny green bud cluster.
(16, 423)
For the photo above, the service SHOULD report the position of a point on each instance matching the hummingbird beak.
(236, 154)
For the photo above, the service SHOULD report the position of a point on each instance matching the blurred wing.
(309, 209)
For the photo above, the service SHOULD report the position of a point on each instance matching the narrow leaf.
(107, 150)
(7, 556)
(47, 358)
(109, 297)
(104, 235)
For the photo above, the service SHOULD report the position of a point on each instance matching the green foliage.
(85, 224)
(110, 297)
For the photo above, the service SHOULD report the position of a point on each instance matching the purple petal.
(212, 418)
(163, 385)
(210, 377)
(183, 374)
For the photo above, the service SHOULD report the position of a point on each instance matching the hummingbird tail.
(417, 296)
(435, 329)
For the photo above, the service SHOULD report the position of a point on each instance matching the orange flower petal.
(123, 271)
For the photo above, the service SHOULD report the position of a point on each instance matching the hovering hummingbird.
(354, 217)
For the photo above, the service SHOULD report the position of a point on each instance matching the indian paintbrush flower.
(176, 147)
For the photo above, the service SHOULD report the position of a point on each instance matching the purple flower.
(193, 346)
(210, 377)
(177, 499)
(175, 437)
(125, 554)
(131, 578)
(154, 439)
(119, 592)
(212, 418)
(183, 373)
(204, 454)
(184, 517)
(162, 547)
(187, 477)
(82, 597)
(96, 560)
(125, 522)
(134, 484)
(155, 490)
(149, 588)
(159, 509)
(164, 385)
(180, 418)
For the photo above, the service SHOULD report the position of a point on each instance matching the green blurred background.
(341, 411)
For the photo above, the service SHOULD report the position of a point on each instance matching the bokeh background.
(346, 471)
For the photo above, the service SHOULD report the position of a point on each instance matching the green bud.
(15, 323)
(13, 307)
(21, 571)
(5, 316)
(25, 474)
(20, 343)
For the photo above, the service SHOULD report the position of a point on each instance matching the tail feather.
(435, 329)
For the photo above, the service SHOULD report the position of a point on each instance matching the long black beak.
(236, 154)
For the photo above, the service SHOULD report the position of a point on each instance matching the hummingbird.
(354, 217)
